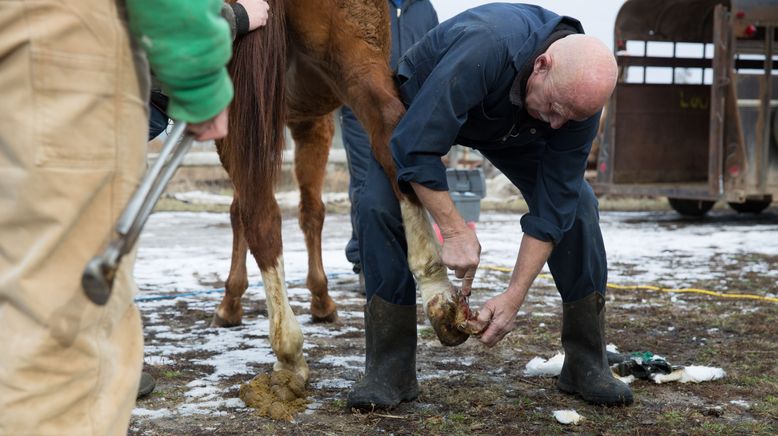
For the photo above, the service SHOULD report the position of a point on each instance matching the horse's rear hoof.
(324, 310)
(218, 321)
(442, 314)
(328, 318)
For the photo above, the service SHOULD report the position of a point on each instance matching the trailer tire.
(691, 208)
(752, 206)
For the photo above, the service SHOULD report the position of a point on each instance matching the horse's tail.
(253, 149)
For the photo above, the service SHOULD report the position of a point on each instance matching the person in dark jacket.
(410, 21)
(525, 87)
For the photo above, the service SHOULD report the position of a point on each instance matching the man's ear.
(542, 64)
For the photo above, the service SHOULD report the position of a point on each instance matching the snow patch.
(151, 413)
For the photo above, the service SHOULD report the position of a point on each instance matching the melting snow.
(643, 248)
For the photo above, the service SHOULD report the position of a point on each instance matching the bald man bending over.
(525, 87)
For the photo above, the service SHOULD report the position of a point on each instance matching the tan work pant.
(73, 128)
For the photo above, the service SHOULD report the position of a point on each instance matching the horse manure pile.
(278, 396)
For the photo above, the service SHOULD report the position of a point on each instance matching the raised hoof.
(442, 314)
(218, 321)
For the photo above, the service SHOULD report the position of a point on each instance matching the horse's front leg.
(445, 307)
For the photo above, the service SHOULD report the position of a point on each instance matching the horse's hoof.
(442, 314)
(323, 309)
(328, 318)
(218, 321)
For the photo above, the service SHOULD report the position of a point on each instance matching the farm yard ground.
(471, 389)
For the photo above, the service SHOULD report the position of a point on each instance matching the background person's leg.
(358, 155)
(382, 245)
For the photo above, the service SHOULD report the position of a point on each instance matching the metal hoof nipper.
(98, 276)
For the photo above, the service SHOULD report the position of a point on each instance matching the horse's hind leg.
(230, 311)
(312, 144)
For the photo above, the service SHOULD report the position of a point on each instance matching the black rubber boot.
(390, 357)
(586, 371)
(146, 385)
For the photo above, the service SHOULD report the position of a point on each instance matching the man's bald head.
(572, 80)
(585, 70)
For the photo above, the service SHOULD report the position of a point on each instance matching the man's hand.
(257, 10)
(461, 253)
(499, 312)
(215, 128)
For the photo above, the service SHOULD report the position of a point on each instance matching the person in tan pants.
(73, 126)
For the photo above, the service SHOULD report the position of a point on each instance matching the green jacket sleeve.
(188, 45)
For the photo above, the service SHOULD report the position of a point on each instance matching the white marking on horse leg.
(424, 253)
(286, 336)
(441, 305)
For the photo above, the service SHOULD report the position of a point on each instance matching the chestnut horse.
(312, 57)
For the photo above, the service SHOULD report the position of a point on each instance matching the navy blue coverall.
(410, 20)
(464, 82)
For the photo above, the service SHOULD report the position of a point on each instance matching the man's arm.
(500, 311)
(441, 100)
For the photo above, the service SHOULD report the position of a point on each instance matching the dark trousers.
(358, 155)
(158, 119)
(578, 263)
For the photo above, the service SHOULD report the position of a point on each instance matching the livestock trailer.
(693, 115)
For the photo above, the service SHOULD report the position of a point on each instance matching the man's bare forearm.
(533, 254)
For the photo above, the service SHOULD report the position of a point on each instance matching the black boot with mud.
(586, 371)
(390, 358)
(146, 385)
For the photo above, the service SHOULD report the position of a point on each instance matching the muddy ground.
(471, 389)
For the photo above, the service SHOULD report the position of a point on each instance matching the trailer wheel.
(752, 206)
(691, 208)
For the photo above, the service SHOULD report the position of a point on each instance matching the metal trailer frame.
(695, 141)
